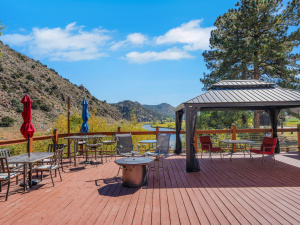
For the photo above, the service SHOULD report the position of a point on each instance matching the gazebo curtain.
(179, 117)
(273, 113)
(192, 164)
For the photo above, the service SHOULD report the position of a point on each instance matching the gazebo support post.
(273, 113)
(192, 164)
(179, 116)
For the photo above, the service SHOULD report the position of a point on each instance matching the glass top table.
(234, 142)
(26, 160)
(75, 139)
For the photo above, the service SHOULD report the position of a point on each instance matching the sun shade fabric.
(27, 128)
(85, 116)
(179, 116)
(194, 164)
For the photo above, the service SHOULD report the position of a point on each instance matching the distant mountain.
(21, 75)
(127, 108)
(163, 109)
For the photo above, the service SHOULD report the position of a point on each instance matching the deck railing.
(233, 131)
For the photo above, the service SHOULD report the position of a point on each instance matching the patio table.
(25, 160)
(75, 139)
(233, 142)
(150, 142)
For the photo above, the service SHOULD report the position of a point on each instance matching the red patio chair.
(267, 147)
(206, 145)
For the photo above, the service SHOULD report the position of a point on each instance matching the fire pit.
(134, 170)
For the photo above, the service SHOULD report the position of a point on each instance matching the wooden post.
(55, 136)
(30, 145)
(119, 130)
(298, 135)
(69, 142)
(156, 131)
(233, 128)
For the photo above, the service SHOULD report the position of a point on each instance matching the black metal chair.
(6, 174)
(110, 142)
(54, 165)
(125, 146)
(162, 151)
(53, 148)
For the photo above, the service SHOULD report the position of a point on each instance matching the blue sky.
(145, 51)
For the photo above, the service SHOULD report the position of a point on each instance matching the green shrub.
(41, 86)
(4, 87)
(22, 57)
(54, 87)
(33, 66)
(49, 79)
(45, 107)
(7, 121)
(30, 77)
(1, 68)
(35, 105)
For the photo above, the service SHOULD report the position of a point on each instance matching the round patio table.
(134, 170)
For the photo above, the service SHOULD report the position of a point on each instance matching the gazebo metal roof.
(247, 94)
(232, 95)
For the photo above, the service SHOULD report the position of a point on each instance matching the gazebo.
(232, 95)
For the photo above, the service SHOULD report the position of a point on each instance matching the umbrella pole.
(28, 146)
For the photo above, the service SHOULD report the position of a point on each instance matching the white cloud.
(191, 34)
(62, 44)
(136, 39)
(150, 56)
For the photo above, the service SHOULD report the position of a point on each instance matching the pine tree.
(255, 41)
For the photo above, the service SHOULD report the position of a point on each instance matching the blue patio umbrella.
(85, 116)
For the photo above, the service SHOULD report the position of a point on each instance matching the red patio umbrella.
(27, 128)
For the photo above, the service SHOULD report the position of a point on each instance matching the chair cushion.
(4, 176)
(150, 154)
(46, 167)
(93, 145)
(216, 149)
(205, 142)
(258, 151)
(108, 142)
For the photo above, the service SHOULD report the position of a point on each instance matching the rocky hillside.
(127, 108)
(163, 108)
(21, 75)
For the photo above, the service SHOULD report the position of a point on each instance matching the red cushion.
(216, 149)
(205, 143)
(269, 144)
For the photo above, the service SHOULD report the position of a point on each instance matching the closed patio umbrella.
(85, 116)
(27, 128)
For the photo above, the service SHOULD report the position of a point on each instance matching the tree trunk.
(256, 119)
(256, 77)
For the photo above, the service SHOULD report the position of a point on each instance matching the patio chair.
(125, 146)
(267, 148)
(54, 165)
(6, 174)
(110, 142)
(53, 148)
(162, 151)
(206, 145)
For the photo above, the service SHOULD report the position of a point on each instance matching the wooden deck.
(224, 192)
